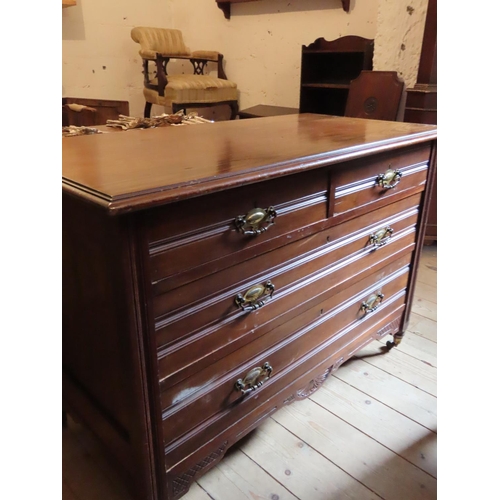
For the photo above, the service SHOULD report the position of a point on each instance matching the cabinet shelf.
(225, 5)
(328, 67)
(326, 85)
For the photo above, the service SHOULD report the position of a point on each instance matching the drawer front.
(187, 406)
(299, 382)
(191, 234)
(362, 186)
(203, 327)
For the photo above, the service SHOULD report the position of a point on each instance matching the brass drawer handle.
(256, 221)
(381, 237)
(253, 380)
(255, 297)
(372, 303)
(390, 179)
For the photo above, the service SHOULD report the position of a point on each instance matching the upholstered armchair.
(181, 91)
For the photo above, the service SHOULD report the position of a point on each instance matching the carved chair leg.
(398, 337)
(234, 110)
(178, 107)
(147, 110)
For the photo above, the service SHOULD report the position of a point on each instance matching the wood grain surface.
(145, 167)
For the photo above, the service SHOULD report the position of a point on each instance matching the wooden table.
(263, 110)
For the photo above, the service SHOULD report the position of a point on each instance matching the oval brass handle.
(253, 379)
(255, 297)
(372, 303)
(256, 221)
(381, 237)
(390, 179)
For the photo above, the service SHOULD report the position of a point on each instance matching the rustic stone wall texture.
(398, 41)
(261, 42)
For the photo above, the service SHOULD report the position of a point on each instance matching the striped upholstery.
(193, 89)
(166, 42)
(182, 89)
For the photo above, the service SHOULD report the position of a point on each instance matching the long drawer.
(186, 235)
(283, 387)
(209, 328)
(187, 406)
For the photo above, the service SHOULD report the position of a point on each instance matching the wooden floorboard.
(238, 476)
(422, 327)
(400, 364)
(378, 468)
(385, 425)
(370, 432)
(299, 467)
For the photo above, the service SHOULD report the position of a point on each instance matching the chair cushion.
(193, 89)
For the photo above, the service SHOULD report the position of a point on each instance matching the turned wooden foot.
(398, 337)
(147, 110)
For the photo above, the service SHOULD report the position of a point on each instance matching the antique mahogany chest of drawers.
(214, 273)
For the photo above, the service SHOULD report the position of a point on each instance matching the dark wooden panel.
(375, 95)
(93, 290)
(427, 68)
(102, 359)
(418, 115)
(421, 103)
(422, 99)
(97, 113)
(225, 5)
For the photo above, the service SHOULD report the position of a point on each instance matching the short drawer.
(196, 325)
(364, 185)
(186, 405)
(225, 227)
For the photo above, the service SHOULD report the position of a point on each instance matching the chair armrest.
(200, 58)
(208, 55)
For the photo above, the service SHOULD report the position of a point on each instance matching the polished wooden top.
(140, 168)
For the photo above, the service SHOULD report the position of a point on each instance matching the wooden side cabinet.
(421, 100)
(93, 112)
(327, 69)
